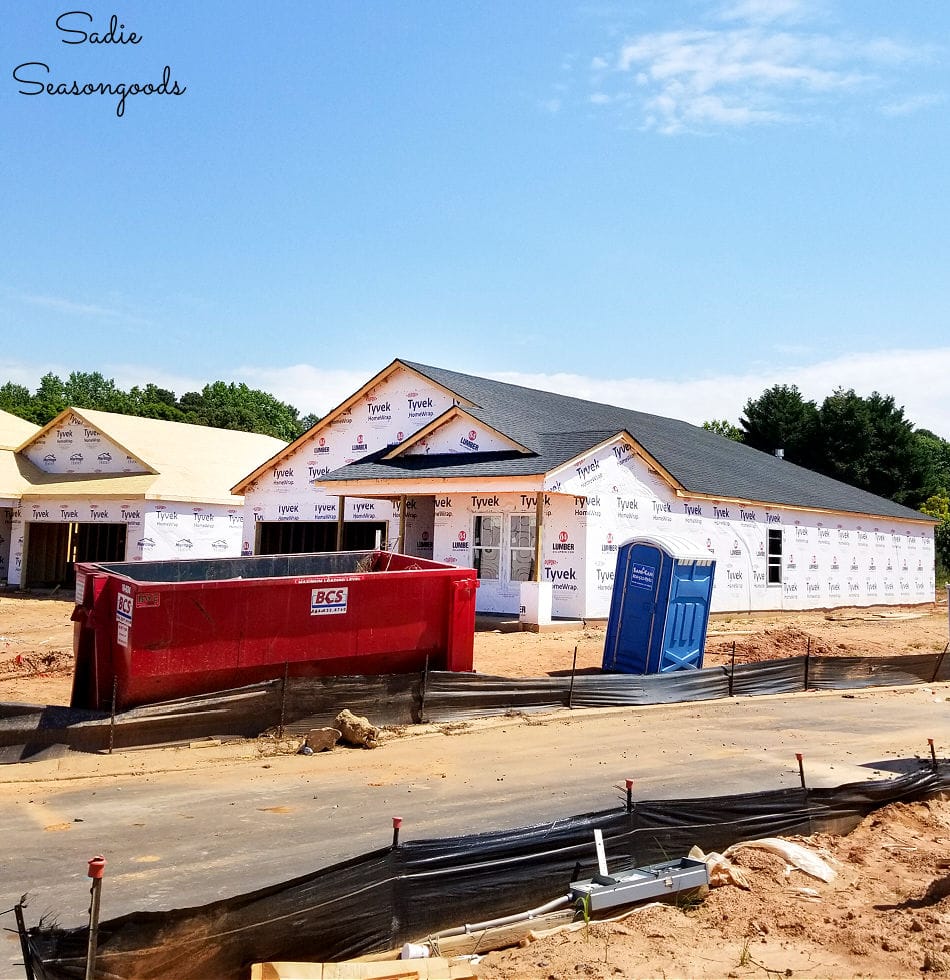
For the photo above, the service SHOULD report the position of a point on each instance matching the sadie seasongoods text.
(78, 26)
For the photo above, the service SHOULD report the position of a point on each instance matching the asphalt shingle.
(558, 428)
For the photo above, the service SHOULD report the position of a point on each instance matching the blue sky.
(666, 205)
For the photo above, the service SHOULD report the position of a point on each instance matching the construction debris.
(322, 739)
(355, 730)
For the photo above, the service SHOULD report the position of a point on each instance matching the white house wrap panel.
(460, 435)
(76, 447)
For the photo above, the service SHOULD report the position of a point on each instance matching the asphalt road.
(188, 826)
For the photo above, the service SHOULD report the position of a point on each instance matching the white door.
(503, 556)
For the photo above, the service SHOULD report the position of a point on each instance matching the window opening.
(774, 560)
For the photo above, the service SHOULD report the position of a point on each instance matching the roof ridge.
(423, 368)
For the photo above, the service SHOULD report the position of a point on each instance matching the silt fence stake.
(933, 752)
(422, 695)
(115, 694)
(397, 823)
(97, 866)
(24, 942)
(732, 669)
(943, 653)
(570, 693)
(629, 784)
(801, 768)
(283, 701)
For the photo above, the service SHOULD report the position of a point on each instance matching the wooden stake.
(115, 692)
(96, 869)
(24, 943)
(732, 669)
(538, 533)
(401, 544)
(341, 505)
(943, 653)
(422, 699)
(570, 693)
(283, 701)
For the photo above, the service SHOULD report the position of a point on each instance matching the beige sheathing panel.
(15, 431)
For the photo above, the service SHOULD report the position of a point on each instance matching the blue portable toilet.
(659, 608)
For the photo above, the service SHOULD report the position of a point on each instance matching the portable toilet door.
(659, 609)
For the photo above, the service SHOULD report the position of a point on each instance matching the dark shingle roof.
(558, 428)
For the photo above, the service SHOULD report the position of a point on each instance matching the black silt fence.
(387, 897)
(299, 703)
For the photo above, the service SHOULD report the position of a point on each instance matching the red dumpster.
(152, 631)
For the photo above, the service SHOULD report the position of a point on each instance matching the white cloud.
(752, 62)
(912, 104)
(69, 306)
(115, 308)
(308, 388)
(915, 378)
(769, 11)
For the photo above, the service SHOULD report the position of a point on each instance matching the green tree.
(724, 427)
(16, 399)
(868, 443)
(938, 506)
(85, 390)
(932, 459)
(154, 403)
(780, 418)
(222, 405)
(49, 399)
(236, 406)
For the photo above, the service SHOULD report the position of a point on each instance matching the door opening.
(304, 537)
(52, 550)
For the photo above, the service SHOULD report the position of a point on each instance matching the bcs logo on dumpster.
(327, 602)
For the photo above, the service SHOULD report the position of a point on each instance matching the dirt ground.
(885, 914)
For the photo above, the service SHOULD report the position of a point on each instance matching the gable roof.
(14, 431)
(192, 463)
(560, 428)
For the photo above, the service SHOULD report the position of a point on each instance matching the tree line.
(864, 441)
(219, 405)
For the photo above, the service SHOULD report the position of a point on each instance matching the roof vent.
(780, 454)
